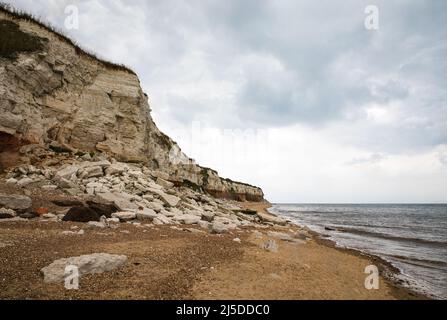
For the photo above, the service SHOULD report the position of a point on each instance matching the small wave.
(305, 211)
(419, 262)
(433, 243)
(417, 236)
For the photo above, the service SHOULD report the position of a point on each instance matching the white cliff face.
(51, 93)
(59, 95)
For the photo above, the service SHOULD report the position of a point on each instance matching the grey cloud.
(378, 54)
(289, 62)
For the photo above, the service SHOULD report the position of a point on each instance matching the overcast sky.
(297, 97)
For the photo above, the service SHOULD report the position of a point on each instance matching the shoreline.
(185, 262)
(389, 272)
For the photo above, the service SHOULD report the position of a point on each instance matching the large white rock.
(175, 211)
(11, 181)
(161, 219)
(121, 200)
(218, 227)
(67, 172)
(154, 187)
(161, 174)
(92, 172)
(116, 168)
(155, 206)
(87, 264)
(171, 212)
(96, 224)
(164, 183)
(67, 184)
(148, 197)
(146, 214)
(15, 202)
(191, 206)
(187, 219)
(168, 199)
(208, 216)
(271, 218)
(24, 182)
(124, 215)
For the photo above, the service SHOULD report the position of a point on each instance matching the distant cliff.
(54, 94)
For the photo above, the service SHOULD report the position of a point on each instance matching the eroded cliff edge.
(55, 95)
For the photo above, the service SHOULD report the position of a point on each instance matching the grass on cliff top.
(22, 15)
(205, 174)
(13, 40)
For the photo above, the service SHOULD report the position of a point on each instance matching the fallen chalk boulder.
(86, 264)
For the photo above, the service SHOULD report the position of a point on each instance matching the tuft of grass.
(205, 172)
(237, 182)
(22, 15)
(13, 40)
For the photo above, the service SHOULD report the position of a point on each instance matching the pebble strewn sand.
(167, 263)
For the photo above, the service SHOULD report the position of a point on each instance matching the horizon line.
(361, 203)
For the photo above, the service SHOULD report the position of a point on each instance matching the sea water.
(412, 237)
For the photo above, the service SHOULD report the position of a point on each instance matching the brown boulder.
(81, 214)
(103, 209)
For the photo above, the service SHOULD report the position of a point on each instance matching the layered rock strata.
(54, 95)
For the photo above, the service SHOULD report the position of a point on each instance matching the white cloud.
(380, 114)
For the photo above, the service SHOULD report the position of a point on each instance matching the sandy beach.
(289, 102)
(172, 262)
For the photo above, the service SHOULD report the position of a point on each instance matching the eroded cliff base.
(88, 180)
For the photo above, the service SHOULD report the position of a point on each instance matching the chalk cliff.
(54, 94)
